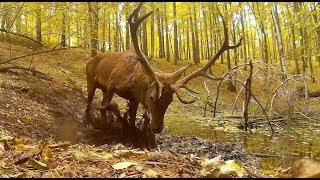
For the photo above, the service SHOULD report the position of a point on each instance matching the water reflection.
(296, 139)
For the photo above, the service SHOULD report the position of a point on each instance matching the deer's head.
(160, 92)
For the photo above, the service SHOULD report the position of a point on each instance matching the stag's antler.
(134, 22)
(204, 70)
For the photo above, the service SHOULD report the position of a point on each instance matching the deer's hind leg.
(91, 88)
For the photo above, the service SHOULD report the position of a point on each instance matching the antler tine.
(134, 22)
(135, 14)
(185, 101)
(203, 71)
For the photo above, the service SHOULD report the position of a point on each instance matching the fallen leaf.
(210, 167)
(231, 168)
(79, 155)
(5, 137)
(48, 174)
(150, 174)
(122, 175)
(19, 175)
(28, 117)
(47, 155)
(139, 168)
(123, 165)
(37, 164)
(2, 150)
(127, 153)
(212, 162)
(97, 158)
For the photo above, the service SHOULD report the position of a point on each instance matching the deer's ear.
(176, 75)
(155, 90)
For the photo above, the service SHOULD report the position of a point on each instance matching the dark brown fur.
(122, 73)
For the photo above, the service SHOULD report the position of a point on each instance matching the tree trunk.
(183, 43)
(188, 41)
(228, 51)
(245, 40)
(78, 33)
(162, 32)
(152, 34)
(206, 33)
(38, 23)
(247, 98)
(234, 42)
(201, 36)
(296, 9)
(196, 39)
(161, 54)
(212, 41)
(18, 23)
(93, 11)
(104, 24)
(109, 32)
(85, 32)
(307, 56)
(253, 49)
(127, 35)
(293, 42)
(280, 43)
(193, 39)
(167, 34)
(120, 38)
(115, 38)
(315, 18)
(175, 38)
(64, 29)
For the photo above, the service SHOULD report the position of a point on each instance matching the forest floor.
(41, 135)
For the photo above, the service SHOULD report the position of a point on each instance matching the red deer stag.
(129, 75)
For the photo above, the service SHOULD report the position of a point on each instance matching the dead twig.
(40, 52)
(3, 69)
(220, 82)
(14, 19)
(60, 145)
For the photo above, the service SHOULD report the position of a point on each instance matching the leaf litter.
(48, 158)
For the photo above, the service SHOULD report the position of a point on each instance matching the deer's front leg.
(133, 107)
(107, 96)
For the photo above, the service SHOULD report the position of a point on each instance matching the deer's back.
(121, 70)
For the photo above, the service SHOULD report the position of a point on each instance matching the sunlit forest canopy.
(270, 29)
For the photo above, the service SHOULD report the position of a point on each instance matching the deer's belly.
(126, 94)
